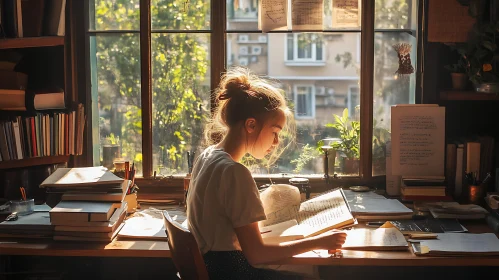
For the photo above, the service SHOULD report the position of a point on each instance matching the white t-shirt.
(222, 196)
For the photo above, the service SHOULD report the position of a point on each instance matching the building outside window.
(304, 96)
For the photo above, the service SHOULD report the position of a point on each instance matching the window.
(155, 128)
(304, 47)
(304, 101)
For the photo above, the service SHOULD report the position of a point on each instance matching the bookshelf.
(450, 95)
(34, 161)
(31, 42)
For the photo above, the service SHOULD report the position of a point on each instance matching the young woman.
(223, 202)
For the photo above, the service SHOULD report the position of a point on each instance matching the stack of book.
(92, 206)
(426, 188)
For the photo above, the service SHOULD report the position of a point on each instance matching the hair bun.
(233, 88)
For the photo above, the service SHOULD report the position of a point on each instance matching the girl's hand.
(331, 240)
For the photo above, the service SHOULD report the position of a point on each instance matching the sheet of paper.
(146, 224)
(273, 15)
(307, 14)
(381, 237)
(279, 196)
(418, 140)
(280, 216)
(463, 243)
(346, 13)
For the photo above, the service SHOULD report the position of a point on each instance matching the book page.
(273, 15)
(374, 238)
(280, 216)
(324, 212)
(346, 13)
(418, 140)
(307, 14)
(279, 196)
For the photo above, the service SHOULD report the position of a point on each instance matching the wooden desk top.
(159, 249)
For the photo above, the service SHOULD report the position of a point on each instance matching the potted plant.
(348, 145)
(482, 56)
(458, 72)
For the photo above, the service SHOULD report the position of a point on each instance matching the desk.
(159, 249)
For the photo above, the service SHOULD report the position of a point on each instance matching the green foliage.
(180, 65)
(307, 154)
(349, 134)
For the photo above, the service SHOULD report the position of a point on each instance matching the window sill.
(171, 187)
(305, 63)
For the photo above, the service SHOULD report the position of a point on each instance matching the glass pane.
(328, 86)
(180, 15)
(181, 98)
(242, 14)
(114, 15)
(389, 89)
(400, 14)
(115, 70)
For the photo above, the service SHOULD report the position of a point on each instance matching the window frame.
(296, 61)
(218, 45)
(311, 91)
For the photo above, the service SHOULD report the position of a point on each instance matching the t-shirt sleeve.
(240, 197)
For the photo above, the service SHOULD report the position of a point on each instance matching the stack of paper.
(381, 239)
(369, 206)
(144, 225)
(457, 244)
(454, 210)
(34, 225)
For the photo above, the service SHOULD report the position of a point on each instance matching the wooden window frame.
(218, 46)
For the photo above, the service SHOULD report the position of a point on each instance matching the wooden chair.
(185, 251)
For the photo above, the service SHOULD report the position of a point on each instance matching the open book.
(296, 220)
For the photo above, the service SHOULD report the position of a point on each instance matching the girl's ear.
(250, 125)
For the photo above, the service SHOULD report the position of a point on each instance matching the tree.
(180, 62)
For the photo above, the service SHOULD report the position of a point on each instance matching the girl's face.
(268, 137)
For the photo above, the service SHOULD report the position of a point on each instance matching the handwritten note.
(346, 13)
(418, 140)
(273, 15)
(307, 14)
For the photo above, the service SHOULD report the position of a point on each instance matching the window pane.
(400, 14)
(114, 15)
(181, 97)
(180, 14)
(242, 14)
(328, 88)
(389, 89)
(115, 70)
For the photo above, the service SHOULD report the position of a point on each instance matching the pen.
(374, 224)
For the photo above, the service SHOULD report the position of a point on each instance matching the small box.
(22, 207)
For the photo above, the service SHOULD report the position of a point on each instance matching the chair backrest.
(184, 249)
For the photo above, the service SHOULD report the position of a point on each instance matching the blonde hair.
(242, 95)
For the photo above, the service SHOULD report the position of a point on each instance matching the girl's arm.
(257, 252)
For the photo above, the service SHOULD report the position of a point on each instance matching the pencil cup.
(476, 194)
(22, 207)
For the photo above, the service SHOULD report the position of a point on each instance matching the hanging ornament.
(404, 53)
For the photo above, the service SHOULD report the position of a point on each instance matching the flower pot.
(459, 80)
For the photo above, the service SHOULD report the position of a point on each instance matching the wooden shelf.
(33, 161)
(31, 42)
(467, 95)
